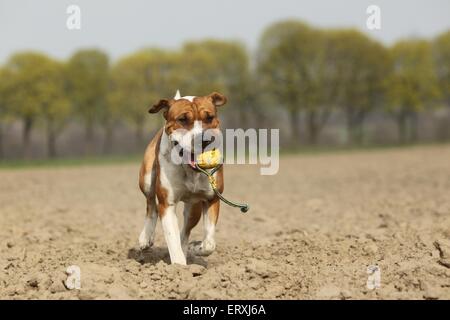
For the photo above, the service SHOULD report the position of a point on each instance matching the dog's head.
(191, 122)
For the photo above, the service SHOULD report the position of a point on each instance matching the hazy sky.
(120, 26)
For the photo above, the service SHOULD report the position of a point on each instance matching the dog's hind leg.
(192, 213)
(151, 218)
(210, 217)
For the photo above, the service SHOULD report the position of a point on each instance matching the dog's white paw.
(144, 241)
(202, 248)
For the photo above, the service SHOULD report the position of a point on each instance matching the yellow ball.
(209, 159)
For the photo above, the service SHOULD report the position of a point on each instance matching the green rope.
(244, 207)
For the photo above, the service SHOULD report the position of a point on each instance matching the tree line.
(306, 72)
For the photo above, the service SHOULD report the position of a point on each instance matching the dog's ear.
(162, 104)
(218, 99)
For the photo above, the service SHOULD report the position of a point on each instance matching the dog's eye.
(209, 118)
(182, 119)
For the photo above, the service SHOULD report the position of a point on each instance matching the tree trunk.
(355, 128)
(313, 127)
(260, 119)
(359, 133)
(2, 154)
(402, 127)
(414, 127)
(295, 125)
(89, 138)
(350, 127)
(244, 116)
(258, 115)
(26, 135)
(51, 140)
(109, 137)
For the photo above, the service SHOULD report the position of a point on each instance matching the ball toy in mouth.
(209, 159)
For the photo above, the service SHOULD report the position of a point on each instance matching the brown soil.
(311, 233)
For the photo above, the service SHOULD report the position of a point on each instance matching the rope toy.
(211, 160)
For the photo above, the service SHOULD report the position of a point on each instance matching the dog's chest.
(196, 185)
(184, 183)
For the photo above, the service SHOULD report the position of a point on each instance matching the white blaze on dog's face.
(188, 117)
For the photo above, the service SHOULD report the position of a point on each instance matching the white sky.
(120, 27)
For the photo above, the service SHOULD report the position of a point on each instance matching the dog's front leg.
(210, 216)
(172, 234)
(192, 213)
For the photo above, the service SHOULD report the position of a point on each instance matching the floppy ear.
(218, 99)
(162, 104)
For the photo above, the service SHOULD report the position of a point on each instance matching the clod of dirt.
(329, 292)
(431, 291)
(119, 292)
(209, 294)
(184, 288)
(18, 289)
(275, 291)
(443, 246)
(57, 286)
(255, 284)
(32, 282)
(259, 268)
(346, 294)
(196, 270)
(371, 249)
(88, 294)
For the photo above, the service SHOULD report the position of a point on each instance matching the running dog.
(165, 183)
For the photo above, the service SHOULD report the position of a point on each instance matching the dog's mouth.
(190, 157)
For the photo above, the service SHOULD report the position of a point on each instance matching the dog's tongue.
(192, 161)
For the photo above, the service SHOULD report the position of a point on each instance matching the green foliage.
(307, 71)
(355, 73)
(277, 33)
(357, 66)
(441, 50)
(36, 86)
(290, 62)
(27, 88)
(140, 80)
(412, 84)
(88, 84)
(3, 102)
(296, 69)
(55, 104)
(213, 65)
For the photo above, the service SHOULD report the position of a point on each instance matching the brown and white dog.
(165, 183)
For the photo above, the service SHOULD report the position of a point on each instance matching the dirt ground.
(311, 233)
